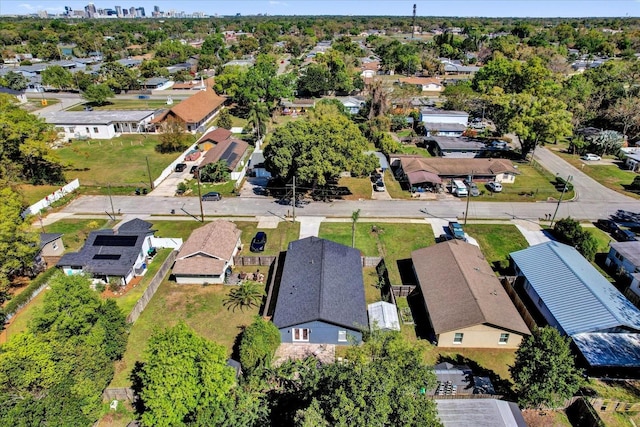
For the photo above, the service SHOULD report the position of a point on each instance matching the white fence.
(169, 169)
(166, 242)
(48, 200)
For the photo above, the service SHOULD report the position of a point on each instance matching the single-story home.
(434, 116)
(194, 111)
(51, 248)
(631, 158)
(99, 124)
(625, 257)
(383, 316)
(296, 106)
(320, 299)
(479, 412)
(456, 67)
(444, 129)
(256, 164)
(352, 104)
(208, 253)
(119, 254)
(234, 152)
(465, 302)
(212, 138)
(419, 170)
(457, 146)
(425, 84)
(575, 298)
(154, 83)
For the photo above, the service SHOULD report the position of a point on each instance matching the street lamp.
(564, 189)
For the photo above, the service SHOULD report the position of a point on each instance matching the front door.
(300, 335)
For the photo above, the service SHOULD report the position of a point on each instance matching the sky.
(485, 8)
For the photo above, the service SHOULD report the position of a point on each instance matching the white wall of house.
(506, 177)
(480, 336)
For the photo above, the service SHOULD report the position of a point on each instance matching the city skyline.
(452, 8)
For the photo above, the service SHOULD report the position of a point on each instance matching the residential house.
(439, 122)
(212, 138)
(99, 124)
(624, 257)
(456, 67)
(631, 158)
(425, 84)
(370, 69)
(195, 111)
(383, 316)
(120, 254)
(296, 106)
(208, 253)
(154, 83)
(479, 412)
(352, 104)
(575, 298)
(466, 303)
(51, 248)
(234, 152)
(321, 294)
(459, 147)
(419, 170)
(256, 164)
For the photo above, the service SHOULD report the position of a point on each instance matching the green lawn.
(21, 320)
(75, 231)
(394, 188)
(495, 360)
(226, 189)
(200, 307)
(117, 162)
(128, 104)
(277, 238)
(360, 188)
(497, 241)
(35, 193)
(611, 176)
(392, 241)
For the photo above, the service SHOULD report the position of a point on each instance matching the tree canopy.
(316, 150)
(98, 94)
(544, 370)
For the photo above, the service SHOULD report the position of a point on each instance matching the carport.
(421, 178)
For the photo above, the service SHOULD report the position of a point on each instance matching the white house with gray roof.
(98, 124)
(320, 299)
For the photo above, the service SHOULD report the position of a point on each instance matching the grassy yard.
(497, 241)
(479, 359)
(75, 231)
(611, 176)
(360, 188)
(200, 307)
(128, 104)
(392, 241)
(394, 188)
(120, 161)
(226, 189)
(22, 318)
(35, 193)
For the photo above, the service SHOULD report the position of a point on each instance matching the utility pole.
(200, 196)
(113, 212)
(294, 198)
(466, 211)
(413, 23)
(149, 172)
(564, 189)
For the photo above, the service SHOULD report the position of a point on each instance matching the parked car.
(180, 167)
(591, 156)
(622, 235)
(456, 230)
(379, 185)
(194, 169)
(258, 242)
(473, 188)
(608, 225)
(212, 196)
(494, 186)
(444, 238)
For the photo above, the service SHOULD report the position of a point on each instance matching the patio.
(325, 353)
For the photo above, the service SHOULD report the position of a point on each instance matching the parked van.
(458, 188)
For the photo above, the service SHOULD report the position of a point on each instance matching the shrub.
(258, 344)
(24, 296)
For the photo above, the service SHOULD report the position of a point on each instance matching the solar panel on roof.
(113, 257)
(107, 240)
(229, 156)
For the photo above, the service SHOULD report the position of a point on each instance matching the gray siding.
(321, 333)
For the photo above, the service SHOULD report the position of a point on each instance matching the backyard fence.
(53, 197)
(402, 291)
(371, 261)
(243, 261)
(507, 284)
(153, 287)
(608, 405)
(121, 394)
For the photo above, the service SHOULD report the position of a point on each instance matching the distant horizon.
(432, 8)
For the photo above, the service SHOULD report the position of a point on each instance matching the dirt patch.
(122, 291)
(535, 418)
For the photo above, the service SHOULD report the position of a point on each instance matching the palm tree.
(355, 215)
(257, 117)
(246, 295)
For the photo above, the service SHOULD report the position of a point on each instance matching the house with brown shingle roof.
(482, 169)
(212, 138)
(466, 304)
(425, 84)
(194, 111)
(234, 152)
(207, 253)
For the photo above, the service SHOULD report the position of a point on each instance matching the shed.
(383, 316)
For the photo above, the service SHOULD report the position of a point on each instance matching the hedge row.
(22, 298)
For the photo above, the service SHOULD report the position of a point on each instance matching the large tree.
(18, 244)
(318, 149)
(25, 153)
(173, 138)
(15, 81)
(544, 370)
(183, 374)
(98, 94)
(57, 77)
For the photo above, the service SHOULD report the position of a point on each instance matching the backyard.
(127, 104)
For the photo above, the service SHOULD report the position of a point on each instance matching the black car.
(625, 236)
(212, 196)
(180, 167)
(194, 169)
(444, 238)
(608, 225)
(258, 242)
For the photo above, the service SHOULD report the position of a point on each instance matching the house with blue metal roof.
(576, 299)
(321, 294)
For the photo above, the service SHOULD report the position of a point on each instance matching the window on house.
(457, 338)
(618, 256)
(300, 334)
(72, 129)
(95, 130)
(342, 336)
(504, 338)
(54, 246)
(87, 129)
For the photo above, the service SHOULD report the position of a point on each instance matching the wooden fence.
(243, 261)
(507, 283)
(402, 291)
(121, 393)
(152, 288)
(371, 261)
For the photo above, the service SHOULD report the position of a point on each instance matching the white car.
(496, 187)
(591, 156)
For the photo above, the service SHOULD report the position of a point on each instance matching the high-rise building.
(140, 12)
(90, 10)
(119, 11)
(132, 11)
(156, 8)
